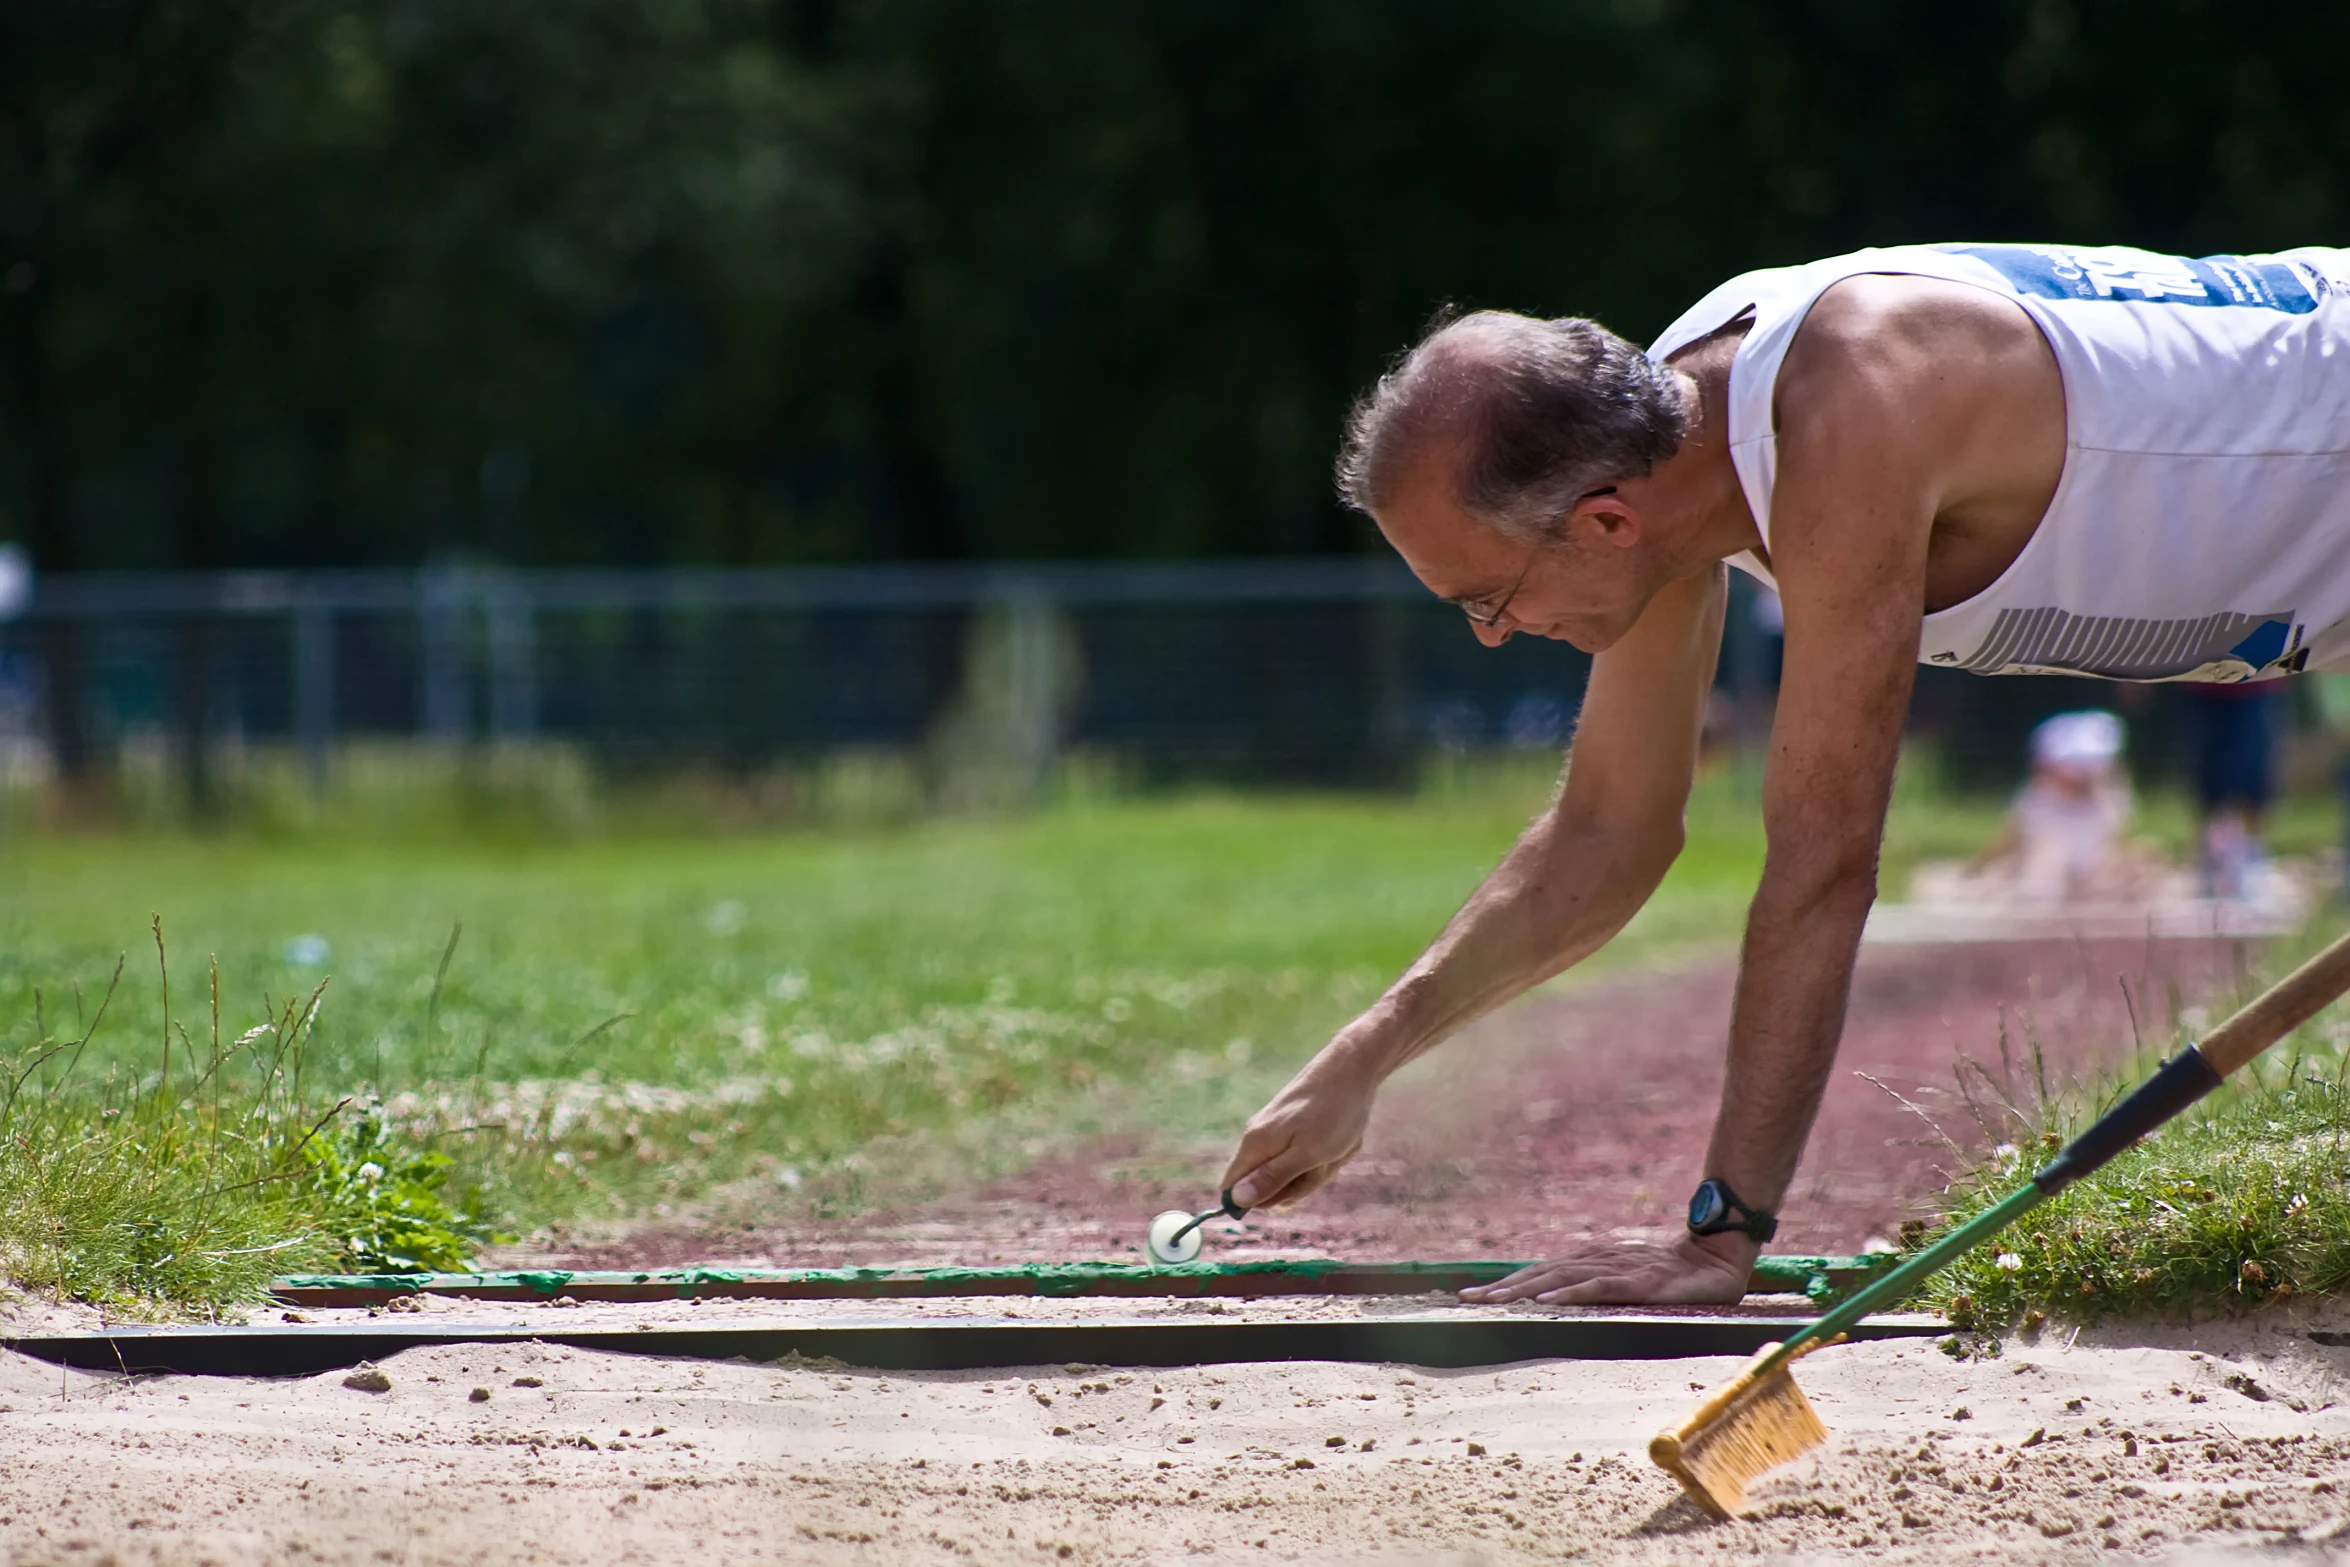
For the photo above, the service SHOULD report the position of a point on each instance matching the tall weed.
(190, 1186)
(2243, 1201)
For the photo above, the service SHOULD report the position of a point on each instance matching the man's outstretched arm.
(1852, 520)
(1572, 880)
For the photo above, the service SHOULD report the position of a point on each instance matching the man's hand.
(1304, 1136)
(1696, 1269)
(1570, 883)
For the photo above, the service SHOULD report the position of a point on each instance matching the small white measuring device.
(1175, 1237)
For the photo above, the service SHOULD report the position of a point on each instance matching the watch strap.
(1735, 1215)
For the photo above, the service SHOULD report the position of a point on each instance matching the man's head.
(1505, 456)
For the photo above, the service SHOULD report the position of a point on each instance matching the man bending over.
(2009, 459)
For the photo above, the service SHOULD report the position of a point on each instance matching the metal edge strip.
(931, 1346)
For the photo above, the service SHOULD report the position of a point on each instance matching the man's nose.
(1492, 636)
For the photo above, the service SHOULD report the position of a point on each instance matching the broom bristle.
(1744, 1428)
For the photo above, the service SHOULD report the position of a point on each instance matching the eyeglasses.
(1490, 619)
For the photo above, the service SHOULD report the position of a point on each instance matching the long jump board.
(1433, 1341)
(1818, 1277)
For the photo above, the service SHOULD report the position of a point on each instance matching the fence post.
(440, 624)
(314, 685)
(513, 648)
(1386, 651)
(1035, 682)
(193, 712)
(1021, 669)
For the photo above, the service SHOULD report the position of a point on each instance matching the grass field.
(593, 1030)
(627, 1025)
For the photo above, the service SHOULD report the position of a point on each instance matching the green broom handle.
(2183, 1079)
(1893, 1286)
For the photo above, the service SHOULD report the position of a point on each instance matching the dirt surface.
(1577, 1114)
(2146, 1443)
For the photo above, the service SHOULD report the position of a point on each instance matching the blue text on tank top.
(2142, 276)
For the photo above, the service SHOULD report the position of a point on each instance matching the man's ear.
(1606, 518)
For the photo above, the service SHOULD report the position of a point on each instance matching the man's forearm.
(1587, 865)
(1562, 891)
(1554, 897)
(1570, 882)
(1795, 976)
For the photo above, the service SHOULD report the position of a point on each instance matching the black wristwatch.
(1714, 1209)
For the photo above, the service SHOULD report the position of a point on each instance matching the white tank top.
(2201, 528)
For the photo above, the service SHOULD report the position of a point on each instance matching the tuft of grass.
(2242, 1202)
(186, 1188)
(383, 1203)
(139, 1190)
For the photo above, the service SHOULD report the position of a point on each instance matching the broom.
(1760, 1419)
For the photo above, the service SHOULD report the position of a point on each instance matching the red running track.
(1572, 1115)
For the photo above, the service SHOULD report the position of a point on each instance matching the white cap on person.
(2091, 738)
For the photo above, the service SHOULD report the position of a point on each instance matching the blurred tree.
(105, 111)
(308, 282)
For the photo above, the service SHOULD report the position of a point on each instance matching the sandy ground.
(1574, 1115)
(2145, 1442)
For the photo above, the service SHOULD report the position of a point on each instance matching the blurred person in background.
(2063, 837)
(2234, 730)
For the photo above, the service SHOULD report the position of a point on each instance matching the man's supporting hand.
(1696, 1269)
(1303, 1137)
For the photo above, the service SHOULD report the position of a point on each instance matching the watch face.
(1706, 1205)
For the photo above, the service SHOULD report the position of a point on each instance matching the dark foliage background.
(309, 282)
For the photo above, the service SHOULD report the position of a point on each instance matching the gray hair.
(1546, 411)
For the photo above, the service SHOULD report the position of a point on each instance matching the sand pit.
(2139, 1442)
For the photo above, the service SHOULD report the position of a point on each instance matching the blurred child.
(2062, 840)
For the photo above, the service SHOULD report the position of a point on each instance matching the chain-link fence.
(1337, 671)
(1334, 672)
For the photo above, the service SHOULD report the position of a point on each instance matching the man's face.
(1587, 590)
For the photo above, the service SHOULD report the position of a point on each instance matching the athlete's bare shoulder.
(1942, 394)
(1920, 337)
